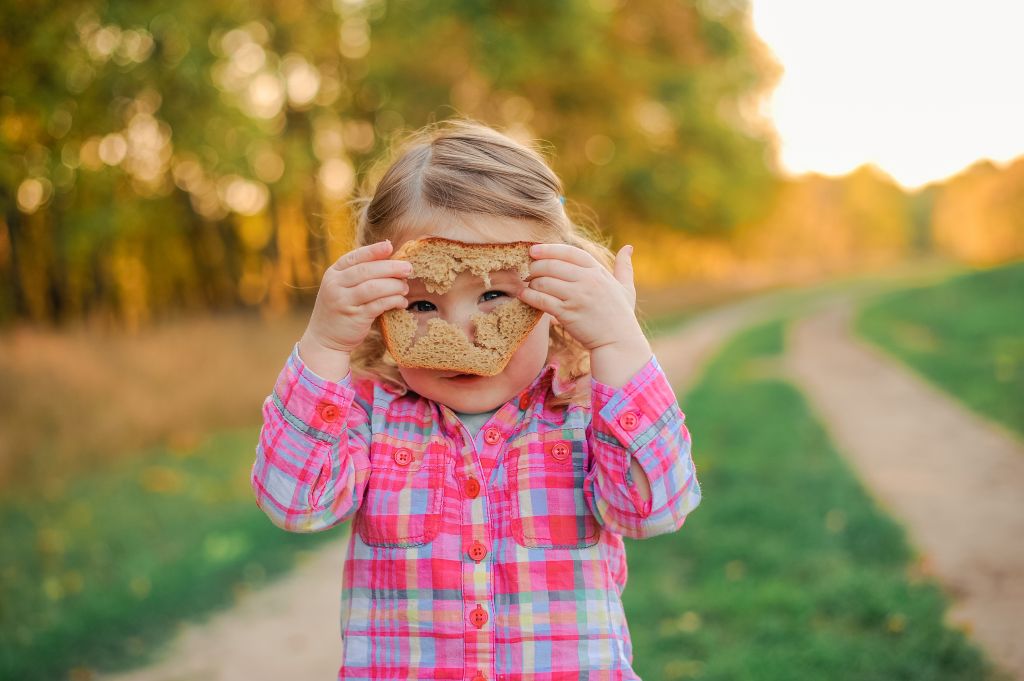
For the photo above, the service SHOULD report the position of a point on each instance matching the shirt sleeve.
(312, 458)
(642, 421)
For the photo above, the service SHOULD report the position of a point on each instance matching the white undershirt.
(474, 422)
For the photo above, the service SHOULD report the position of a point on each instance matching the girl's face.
(467, 296)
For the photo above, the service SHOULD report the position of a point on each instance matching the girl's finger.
(381, 249)
(572, 254)
(551, 267)
(375, 288)
(381, 305)
(542, 301)
(364, 271)
(556, 288)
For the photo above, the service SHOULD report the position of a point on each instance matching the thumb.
(624, 270)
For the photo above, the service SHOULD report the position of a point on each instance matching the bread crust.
(444, 245)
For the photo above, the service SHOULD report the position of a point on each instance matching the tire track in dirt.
(953, 479)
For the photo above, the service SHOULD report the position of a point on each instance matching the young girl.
(488, 512)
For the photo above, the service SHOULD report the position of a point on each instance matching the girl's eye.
(415, 306)
(427, 306)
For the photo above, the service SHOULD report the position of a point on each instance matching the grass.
(82, 397)
(966, 335)
(787, 570)
(99, 576)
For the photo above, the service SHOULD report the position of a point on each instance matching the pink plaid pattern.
(495, 557)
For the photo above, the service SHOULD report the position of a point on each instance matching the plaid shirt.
(494, 557)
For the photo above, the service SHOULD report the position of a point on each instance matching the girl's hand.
(593, 305)
(355, 290)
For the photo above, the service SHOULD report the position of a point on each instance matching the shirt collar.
(549, 377)
(547, 381)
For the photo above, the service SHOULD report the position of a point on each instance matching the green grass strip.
(966, 335)
(100, 576)
(787, 570)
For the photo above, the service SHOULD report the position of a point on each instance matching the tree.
(154, 160)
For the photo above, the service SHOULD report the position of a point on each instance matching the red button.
(328, 412)
(492, 436)
(478, 616)
(477, 551)
(524, 401)
(472, 488)
(479, 676)
(403, 457)
(560, 451)
(629, 420)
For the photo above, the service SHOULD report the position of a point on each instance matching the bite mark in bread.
(498, 334)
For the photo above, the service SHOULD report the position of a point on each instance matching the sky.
(920, 88)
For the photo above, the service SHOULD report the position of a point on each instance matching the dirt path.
(288, 630)
(955, 480)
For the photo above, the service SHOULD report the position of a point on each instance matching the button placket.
(475, 568)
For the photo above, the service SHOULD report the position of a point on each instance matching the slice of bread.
(498, 334)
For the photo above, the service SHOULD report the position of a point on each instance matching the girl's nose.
(461, 317)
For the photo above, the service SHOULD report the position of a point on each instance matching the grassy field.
(84, 398)
(96, 577)
(787, 570)
(965, 335)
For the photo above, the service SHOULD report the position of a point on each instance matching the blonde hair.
(460, 167)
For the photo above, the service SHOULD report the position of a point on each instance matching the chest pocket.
(404, 494)
(546, 473)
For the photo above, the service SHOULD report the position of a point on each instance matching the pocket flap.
(391, 453)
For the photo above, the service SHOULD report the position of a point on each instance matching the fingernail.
(629, 250)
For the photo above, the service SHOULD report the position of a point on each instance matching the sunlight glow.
(920, 88)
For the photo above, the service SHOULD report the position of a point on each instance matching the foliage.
(199, 155)
(814, 227)
(979, 214)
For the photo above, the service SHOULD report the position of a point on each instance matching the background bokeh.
(175, 177)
